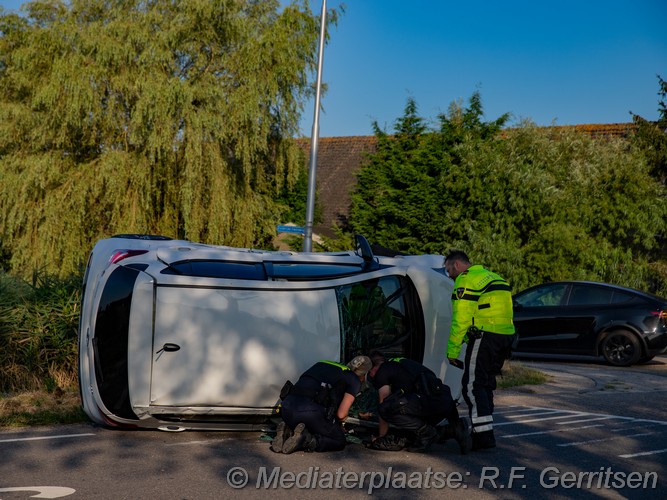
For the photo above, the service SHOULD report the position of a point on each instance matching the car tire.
(621, 348)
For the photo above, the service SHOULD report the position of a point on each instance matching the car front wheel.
(621, 348)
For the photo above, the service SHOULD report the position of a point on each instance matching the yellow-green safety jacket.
(481, 298)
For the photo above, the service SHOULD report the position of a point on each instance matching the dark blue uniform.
(417, 397)
(304, 403)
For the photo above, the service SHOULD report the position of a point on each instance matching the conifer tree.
(532, 203)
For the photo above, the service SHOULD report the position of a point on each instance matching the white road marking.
(582, 417)
(615, 438)
(520, 410)
(43, 491)
(644, 453)
(551, 412)
(206, 441)
(533, 420)
(64, 436)
(549, 432)
(579, 414)
(587, 420)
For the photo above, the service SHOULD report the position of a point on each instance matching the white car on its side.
(179, 335)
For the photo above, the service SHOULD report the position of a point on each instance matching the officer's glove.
(456, 362)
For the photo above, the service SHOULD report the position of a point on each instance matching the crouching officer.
(314, 409)
(413, 398)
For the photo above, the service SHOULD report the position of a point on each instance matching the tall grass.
(38, 332)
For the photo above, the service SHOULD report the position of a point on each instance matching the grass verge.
(41, 408)
(515, 374)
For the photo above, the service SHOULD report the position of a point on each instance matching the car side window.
(585, 295)
(622, 297)
(549, 295)
(381, 314)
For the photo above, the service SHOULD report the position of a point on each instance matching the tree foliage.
(651, 137)
(135, 116)
(535, 204)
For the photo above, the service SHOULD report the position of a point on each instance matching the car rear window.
(623, 298)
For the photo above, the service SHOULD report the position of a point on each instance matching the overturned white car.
(179, 335)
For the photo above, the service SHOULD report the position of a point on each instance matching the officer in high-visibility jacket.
(482, 316)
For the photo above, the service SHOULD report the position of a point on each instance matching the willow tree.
(153, 116)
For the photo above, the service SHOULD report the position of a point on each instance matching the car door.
(537, 317)
(581, 317)
(235, 347)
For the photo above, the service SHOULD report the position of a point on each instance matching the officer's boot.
(445, 432)
(310, 444)
(462, 435)
(299, 440)
(426, 436)
(483, 440)
(283, 433)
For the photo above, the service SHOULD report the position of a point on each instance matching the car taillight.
(660, 314)
(119, 255)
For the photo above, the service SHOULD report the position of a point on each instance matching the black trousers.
(411, 411)
(329, 433)
(484, 360)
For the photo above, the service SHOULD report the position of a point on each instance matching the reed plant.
(38, 332)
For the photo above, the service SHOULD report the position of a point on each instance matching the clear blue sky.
(568, 62)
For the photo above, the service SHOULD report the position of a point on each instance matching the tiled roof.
(605, 130)
(339, 159)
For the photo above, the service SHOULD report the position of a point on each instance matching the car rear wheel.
(621, 348)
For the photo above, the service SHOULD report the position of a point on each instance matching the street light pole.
(310, 203)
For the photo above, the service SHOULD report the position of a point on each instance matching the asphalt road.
(591, 432)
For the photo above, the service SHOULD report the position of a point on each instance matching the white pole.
(312, 185)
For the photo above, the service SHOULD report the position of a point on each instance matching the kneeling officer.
(413, 398)
(317, 405)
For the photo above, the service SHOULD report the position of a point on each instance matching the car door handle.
(169, 347)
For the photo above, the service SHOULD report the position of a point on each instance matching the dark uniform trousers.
(411, 411)
(301, 409)
(483, 361)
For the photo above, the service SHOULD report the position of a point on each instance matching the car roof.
(642, 293)
(171, 252)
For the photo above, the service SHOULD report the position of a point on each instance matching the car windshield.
(380, 314)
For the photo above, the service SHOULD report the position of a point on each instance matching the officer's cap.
(360, 365)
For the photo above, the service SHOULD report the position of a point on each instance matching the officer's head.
(360, 366)
(377, 358)
(456, 262)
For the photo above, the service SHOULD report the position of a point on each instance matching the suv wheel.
(621, 348)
